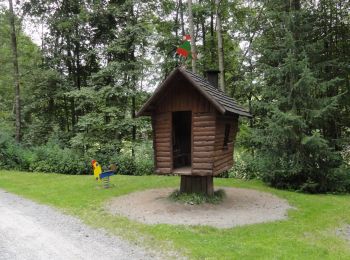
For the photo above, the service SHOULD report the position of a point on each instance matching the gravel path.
(240, 207)
(344, 232)
(32, 231)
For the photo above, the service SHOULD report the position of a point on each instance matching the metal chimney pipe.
(213, 77)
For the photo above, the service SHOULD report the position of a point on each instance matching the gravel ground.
(240, 207)
(32, 231)
(344, 232)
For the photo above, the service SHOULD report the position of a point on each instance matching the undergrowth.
(198, 198)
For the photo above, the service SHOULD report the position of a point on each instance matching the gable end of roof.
(222, 102)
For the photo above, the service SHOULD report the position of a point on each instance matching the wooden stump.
(197, 184)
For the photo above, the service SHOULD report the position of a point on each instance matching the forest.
(74, 97)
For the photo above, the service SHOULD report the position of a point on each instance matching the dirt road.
(32, 231)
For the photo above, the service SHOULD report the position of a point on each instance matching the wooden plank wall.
(183, 97)
(162, 142)
(223, 159)
(203, 131)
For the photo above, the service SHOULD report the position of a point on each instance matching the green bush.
(313, 168)
(141, 164)
(244, 166)
(12, 155)
(51, 157)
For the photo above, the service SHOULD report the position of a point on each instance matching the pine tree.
(293, 151)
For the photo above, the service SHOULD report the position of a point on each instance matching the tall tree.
(193, 39)
(220, 46)
(296, 103)
(15, 72)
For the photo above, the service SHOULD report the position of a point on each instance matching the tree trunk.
(182, 18)
(203, 30)
(220, 47)
(177, 20)
(212, 42)
(133, 115)
(15, 73)
(197, 184)
(133, 83)
(193, 42)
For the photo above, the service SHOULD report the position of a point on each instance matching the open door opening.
(182, 133)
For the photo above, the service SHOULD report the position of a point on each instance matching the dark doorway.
(182, 139)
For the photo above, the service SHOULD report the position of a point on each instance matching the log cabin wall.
(182, 97)
(203, 131)
(161, 124)
(223, 159)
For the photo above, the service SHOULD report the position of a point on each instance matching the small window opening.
(227, 134)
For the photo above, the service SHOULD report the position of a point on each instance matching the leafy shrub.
(12, 155)
(52, 158)
(244, 166)
(141, 164)
(313, 168)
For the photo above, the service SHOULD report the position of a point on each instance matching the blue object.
(106, 174)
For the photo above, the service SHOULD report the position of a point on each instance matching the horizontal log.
(204, 124)
(163, 170)
(163, 134)
(204, 129)
(202, 172)
(218, 171)
(203, 138)
(223, 163)
(162, 140)
(204, 143)
(163, 128)
(162, 144)
(163, 149)
(163, 154)
(223, 149)
(218, 158)
(207, 166)
(204, 133)
(184, 173)
(204, 113)
(163, 164)
(202, 148)
(203, 117)
(163, 159)
(223, 166)
(203, 155)
(222, 159)
(202, 160)
(220, 147)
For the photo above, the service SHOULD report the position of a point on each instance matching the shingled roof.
(223, 103)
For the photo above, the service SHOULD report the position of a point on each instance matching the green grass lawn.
(309, 233)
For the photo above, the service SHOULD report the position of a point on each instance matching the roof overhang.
(148, 107)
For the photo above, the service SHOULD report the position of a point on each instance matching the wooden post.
(197, 184)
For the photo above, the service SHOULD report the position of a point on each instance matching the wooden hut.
(194, 128)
